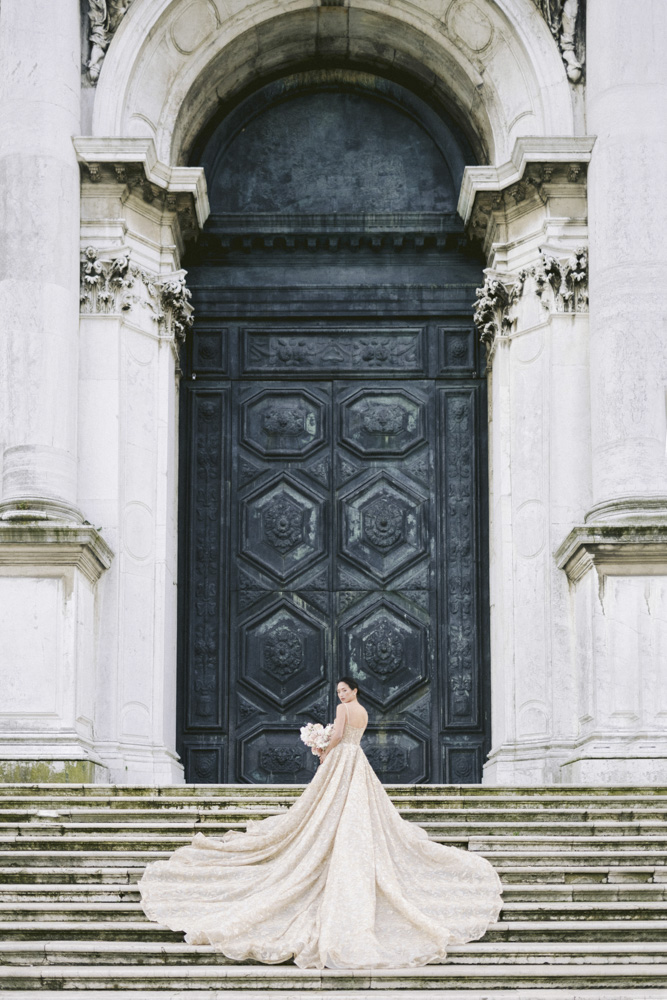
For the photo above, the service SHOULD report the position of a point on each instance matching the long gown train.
(339, 880)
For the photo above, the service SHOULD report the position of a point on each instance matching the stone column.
(626, 96)
(39, 234)
(616, 561)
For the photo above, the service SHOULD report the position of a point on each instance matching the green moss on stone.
(49, 771)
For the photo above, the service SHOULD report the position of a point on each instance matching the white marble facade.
(100, 102)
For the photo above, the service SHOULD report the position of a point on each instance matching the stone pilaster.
(137, 215)
(532, 313)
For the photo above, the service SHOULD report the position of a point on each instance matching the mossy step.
(594, 910)
(476, 975)
(530, 892)
(164, 954)
(517, 931)
(82, 875)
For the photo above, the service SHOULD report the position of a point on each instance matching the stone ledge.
(527, 149)
(614, 550)
(94, 151)
(41, 543)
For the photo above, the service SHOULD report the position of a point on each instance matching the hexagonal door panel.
(385, 648)
(282, 653)
(383, 527)
(283, 528)
(276, 756)
(283, 423)
(383, 422)
(396, 756)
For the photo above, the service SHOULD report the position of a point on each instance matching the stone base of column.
(48, 618)
(26, 757)
(600, 760)
(138, 764)
(617, 573)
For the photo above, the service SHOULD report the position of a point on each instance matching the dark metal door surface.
(333, 495)
(335, 527)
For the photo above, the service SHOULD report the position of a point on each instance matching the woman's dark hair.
(351, 683)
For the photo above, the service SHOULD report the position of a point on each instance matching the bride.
(338, 881)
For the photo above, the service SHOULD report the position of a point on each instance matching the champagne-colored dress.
(338, 881)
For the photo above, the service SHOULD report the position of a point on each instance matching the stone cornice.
(614, 550)
(127, 160)
(555, 151)
(39, 543)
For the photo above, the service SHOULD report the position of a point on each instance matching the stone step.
(23, 856)
(642, 819)
(81, 875)
(218, 824)
(492, 952)
(517, 931)
(223, 977)
(556, 910)
(41, 790)
(131, 838)
(530, 892)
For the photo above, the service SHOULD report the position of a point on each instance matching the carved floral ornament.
(561, 285)
(113, 284)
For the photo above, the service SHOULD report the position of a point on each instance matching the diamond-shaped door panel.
(382, 422)
(282, 528)
(283, 423)
(282, 653)
(386, 650)
(383, 527)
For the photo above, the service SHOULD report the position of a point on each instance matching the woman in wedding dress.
(338, 881)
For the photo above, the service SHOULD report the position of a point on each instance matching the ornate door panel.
(334, 526)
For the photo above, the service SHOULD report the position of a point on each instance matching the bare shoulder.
(340, 709)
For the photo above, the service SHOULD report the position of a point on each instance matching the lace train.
(339, 880)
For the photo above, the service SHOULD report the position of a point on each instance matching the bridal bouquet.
(316, 736)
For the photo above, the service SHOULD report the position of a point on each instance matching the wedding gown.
(338, 881)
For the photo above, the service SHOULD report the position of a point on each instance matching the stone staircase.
(584, 871)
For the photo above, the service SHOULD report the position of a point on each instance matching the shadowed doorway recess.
(333, 507)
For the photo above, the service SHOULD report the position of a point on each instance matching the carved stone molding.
(566, 23)
(110, 284)
(614, 550)
(35, 543)
(104, 16)
(561, 284)
(133, 164)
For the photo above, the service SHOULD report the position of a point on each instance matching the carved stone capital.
(560, 283)
(638, 549)
(111, 283)
(492, 309)
(104, 16)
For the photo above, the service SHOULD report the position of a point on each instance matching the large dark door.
(333, 500)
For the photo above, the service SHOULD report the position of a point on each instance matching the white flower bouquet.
(316, 736)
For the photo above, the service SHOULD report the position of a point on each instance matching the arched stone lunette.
(493, 63)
